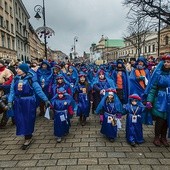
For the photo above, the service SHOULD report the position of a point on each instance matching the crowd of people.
(139, 89)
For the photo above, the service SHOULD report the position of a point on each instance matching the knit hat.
(2, 62)
(24, 67)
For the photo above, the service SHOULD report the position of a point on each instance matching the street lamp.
(74, 46)
(106, 45)
(159, 29)
(46, 31)
(92, 51)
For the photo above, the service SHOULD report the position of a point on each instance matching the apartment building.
(7, 30)
(165, 40)
(36, 47)
(148, 46)
(22, 30)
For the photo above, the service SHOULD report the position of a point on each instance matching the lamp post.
(74, 46)
(92, 51)
(106, 45)
(46, 31)
(159, 28)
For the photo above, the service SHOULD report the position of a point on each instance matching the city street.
(83, 149)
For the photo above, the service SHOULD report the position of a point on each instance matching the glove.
(149, 105)
(142, 78)
(47, 104)
(9, 106)
(102, 91)
(4, 98)
(119, 115)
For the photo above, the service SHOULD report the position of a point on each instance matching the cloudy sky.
(86, 19)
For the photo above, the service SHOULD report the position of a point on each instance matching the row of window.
(5, 24)
(146, 49)
(8, 8)
(20, 14)
(7, 41)
(20, 28)
(22, 47)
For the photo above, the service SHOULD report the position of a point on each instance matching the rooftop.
(114, 43)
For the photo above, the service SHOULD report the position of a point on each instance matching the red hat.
(166, 57)
(135, 96)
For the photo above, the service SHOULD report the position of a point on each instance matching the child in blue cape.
(83, 97)
(134, 110)
(63, 107)
(111, 107)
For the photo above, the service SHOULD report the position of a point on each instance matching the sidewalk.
(83, 149)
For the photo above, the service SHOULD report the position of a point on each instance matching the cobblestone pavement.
(83, 149)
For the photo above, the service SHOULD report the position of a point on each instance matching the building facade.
(7, 30)
(106, 49)
(22, 30)
(36, 47)
(148, 47)
(165, 40)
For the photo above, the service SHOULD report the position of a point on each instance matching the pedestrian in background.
(44, 77)
(6, 77)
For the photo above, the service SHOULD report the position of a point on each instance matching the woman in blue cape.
(110, 106)
(121, 79)
(83, 97)
(63, 106)
(158, 100)
(139, 77)
(23, 101)
(138, 81)
(134, 110)
(72, 77)
(44, 77)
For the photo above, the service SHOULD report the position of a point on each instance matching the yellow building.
(36, 47)
(165, 41)
(7, 30)
(22, 30)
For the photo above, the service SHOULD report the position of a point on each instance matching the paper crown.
(135, 96)
(101, 72)
(111, 91)
(82, 74)
(59, 76)
(57, 66)
(166, 57)
(61, 90)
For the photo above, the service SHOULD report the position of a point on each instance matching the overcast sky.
(86, 19)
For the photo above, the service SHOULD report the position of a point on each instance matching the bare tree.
(159, 9)
(138, 30)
